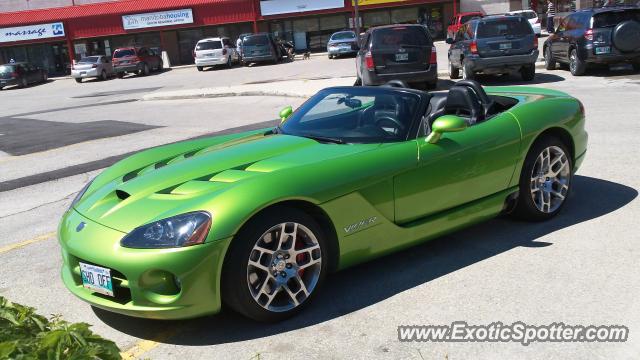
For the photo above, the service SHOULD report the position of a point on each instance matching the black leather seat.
(463, 101)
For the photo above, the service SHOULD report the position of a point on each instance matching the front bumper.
(9, 82)
(611, 58)
(144, 280)
(341, 50)
(211, 61)
(257, 58)
(373, 78)
(501, 62)
(81, 74)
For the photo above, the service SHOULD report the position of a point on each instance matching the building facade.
(61, 31)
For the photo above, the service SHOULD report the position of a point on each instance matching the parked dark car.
(609, 35)
(342, 43)
(260, 47)
(135, 60)
(494, 45)
(21, 74)
(397, 52)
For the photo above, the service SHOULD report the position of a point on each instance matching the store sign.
(273, 7)
(373, 2)
(31, 32)
(163, 18)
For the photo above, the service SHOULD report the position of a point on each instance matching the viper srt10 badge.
(360, 225)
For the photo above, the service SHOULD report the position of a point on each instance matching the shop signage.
(273, 7)
(162, 18)
(31, 32)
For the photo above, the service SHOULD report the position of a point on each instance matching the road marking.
(143, 346)
(24, 243)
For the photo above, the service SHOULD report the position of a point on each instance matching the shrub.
(27, 335)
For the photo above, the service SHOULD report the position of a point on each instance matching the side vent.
(130, 176)
(122, 195)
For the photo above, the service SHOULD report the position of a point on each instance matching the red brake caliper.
(300, 257)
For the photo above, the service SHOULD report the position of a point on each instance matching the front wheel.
(545, 180)
(229, 63)
(454, 72)
(549, 62)
(79, 80)
(275, 265)
(200, 68)
(103, 75)
(576, 66)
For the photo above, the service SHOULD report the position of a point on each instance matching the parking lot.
(580, 268)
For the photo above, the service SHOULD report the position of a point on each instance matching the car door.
(559, 48)
(107, 65)
(460, 168)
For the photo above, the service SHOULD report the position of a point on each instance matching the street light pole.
(356, 17)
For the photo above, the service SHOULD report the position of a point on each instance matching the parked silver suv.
(215, 51)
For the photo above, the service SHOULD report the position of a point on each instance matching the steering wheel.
(397, 124)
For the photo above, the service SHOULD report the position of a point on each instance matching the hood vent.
(122, 195)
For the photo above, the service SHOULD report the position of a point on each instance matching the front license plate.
(603, 50)
(402, 57)
(96, 278)
(505, 46)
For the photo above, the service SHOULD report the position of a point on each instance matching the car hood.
(182, 177)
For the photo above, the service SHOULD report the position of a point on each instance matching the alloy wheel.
(284, 267)
(572, 62)
(550, 179)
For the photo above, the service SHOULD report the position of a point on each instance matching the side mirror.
(285, 113)
(445, 124)
(449, 41)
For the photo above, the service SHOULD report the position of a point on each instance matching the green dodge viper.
(256, 220)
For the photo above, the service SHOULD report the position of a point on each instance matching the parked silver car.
(98, 66)
(342, 43)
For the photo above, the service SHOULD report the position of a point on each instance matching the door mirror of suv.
(445, 124)
(285, 113)
(449, 41)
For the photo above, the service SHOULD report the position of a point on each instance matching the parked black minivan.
(608, 35)
(260, 47)
(397, 52)
(21, 74)
(496, 44)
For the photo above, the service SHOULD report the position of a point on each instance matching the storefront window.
(404, 16)
(375, 18)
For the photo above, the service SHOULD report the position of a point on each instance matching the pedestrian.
(239, 46)
(551, 13)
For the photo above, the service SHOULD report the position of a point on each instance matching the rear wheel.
(330, 56)
(144, 70)
(528, 72)
(24, 83)
(200, 68)
(454, 72)
(545, 180)
(161, 67)
(103, 75)
(576, 66)
(467, 72)
(549, 62)
(275, 265)
(229, 63)
(79, 80)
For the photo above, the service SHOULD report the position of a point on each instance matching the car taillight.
(224, 51)
(368, 59)
(588, 34)
(473, 47)
(434, 56)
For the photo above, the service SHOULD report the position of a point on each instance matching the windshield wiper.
(324, 139)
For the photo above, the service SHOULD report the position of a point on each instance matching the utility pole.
(356, 17)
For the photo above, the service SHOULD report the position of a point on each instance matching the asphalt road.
(579, 268)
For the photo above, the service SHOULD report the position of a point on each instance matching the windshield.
(465, 18)
(209, 45)
(346, 35)
(256, 40)
(398, 36)
(526, 14)
(6, 69)
(89, 60)
(613, 18)
(355, 115)
(514, 26)
(123, 53)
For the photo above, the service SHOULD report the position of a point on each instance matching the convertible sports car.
(256, 220)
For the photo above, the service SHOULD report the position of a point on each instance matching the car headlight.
(177, 231)
(80, 195)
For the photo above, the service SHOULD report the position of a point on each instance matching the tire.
(528, 72)
(467, 73)
(229, 62)
(24, 83)
(200, 68)
(161, 67)
(145, 69)
(549, 61)
(45, 77)
(330, 56)
(253, 266)
(431, 85)
(120, 75)
(577, 67)
(78, 80)
(536, 186)
(625, 36)
(454, 72)
(103, 75)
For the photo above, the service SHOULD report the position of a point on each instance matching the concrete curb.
(211, 95)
